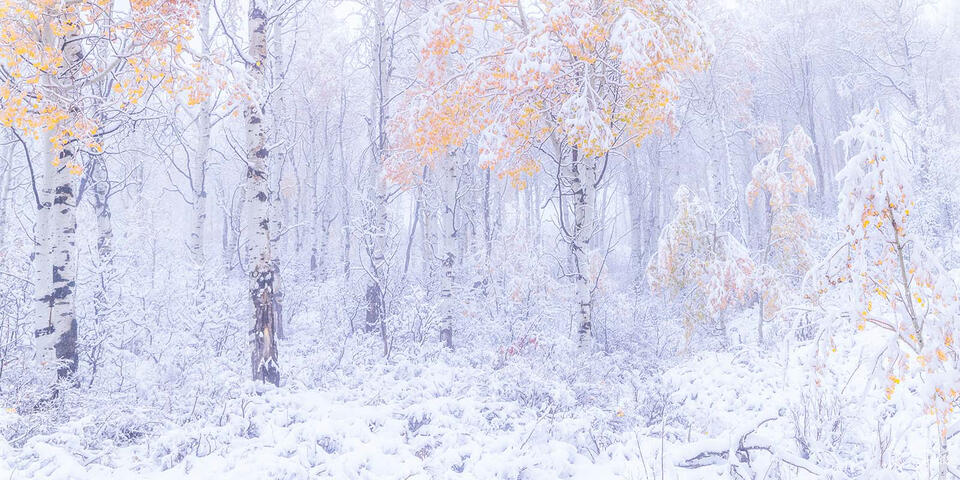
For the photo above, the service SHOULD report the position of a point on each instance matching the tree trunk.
(487, 226)
(823, 190)
(320, 218)
(280, 210)
(316, 259)
(414, 222)
(652, 228)
(582, 178)
(374, 245)
(101, 209)
(278, 164)
(428, 219)
(264, 356)
(324, 241)
(449, 233)
(6, 183)
(943, 471)
(714, 181)
(225, 241)
(636, 203)
(376, 218)
(55, 324)
(198, 169)
(198, 174)
(345, 198)
(228, 234)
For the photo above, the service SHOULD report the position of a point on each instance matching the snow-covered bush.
(884, 282)
(707, 269)
(783, 177)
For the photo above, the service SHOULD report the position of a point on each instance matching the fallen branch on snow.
(734, 453)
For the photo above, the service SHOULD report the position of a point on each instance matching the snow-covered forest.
(480, 239)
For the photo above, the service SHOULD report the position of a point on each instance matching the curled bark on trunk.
(264, 363)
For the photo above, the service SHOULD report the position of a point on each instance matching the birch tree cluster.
(199, 197)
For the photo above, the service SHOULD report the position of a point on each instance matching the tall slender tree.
(264, 361)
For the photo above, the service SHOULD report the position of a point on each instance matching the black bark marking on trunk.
(58, 274)
(374, 315)
(446, 337)
(446, 331)
(66, 350)
(43, 331)
(584, 329)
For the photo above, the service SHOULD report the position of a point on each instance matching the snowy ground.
(408, 422)
(544, 411)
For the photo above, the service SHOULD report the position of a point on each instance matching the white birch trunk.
(101, 208)
(345, 198)
(278, 163)
(943, 471)
(652, 228)
(198, 169)
(198, 174)
(714, 186)
(6, 181)
(449, 245)
(582, 178)
(280, 207)
(264, 356)
(324, 245)
(733, 188)
(635, 202)
(316, 257)
(376, 217)
(487, 226)
(374, 246)
(428, 219)
(55, 323)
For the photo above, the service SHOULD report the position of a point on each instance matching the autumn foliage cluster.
(70, 66)
(521, 79)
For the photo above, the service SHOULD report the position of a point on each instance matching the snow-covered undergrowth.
(537, 407)
(164, 393)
